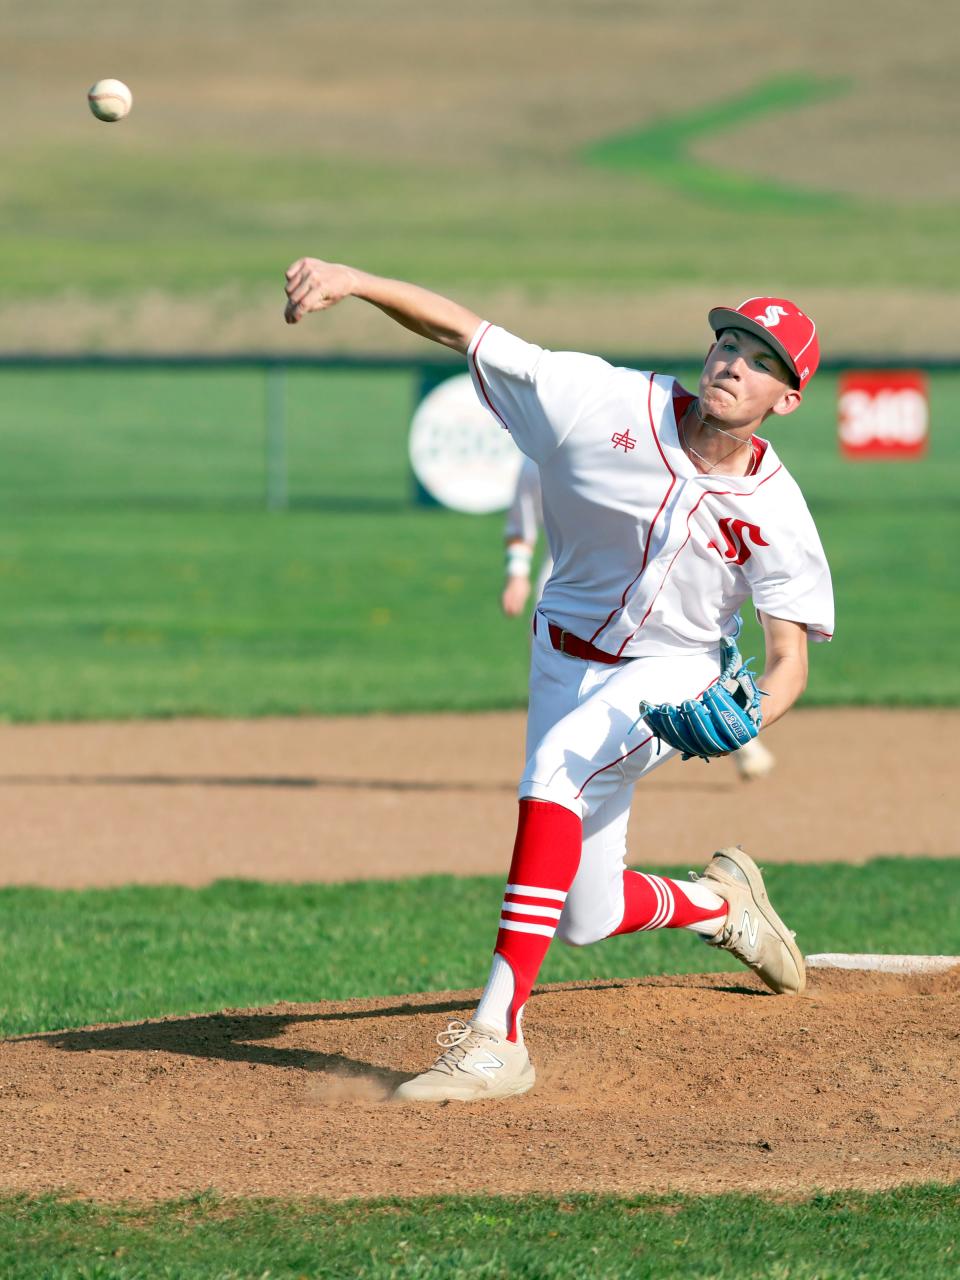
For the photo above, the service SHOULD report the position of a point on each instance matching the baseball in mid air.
(109, 100)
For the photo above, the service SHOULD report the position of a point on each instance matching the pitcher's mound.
(701, 1084)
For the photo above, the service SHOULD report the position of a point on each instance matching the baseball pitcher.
(665, 512)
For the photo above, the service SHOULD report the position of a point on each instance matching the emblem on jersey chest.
(623, 440)
(737, 536)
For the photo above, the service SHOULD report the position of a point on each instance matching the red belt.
(566, 642)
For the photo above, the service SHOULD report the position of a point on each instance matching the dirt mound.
(692, 1083)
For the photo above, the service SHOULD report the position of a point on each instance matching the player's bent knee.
(573, 938)
(551, 793)
(547, 777)
(579, 933)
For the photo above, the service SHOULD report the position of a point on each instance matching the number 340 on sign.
(883, 414)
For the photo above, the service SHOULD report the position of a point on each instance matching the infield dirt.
(699, 1084)
(192, 801)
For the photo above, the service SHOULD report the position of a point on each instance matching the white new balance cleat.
(752, 931)
(476, 1062)
(754, 760)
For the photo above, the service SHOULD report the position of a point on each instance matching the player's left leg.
(586, 762)
(490, 1060)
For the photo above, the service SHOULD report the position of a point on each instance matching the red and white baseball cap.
(782, 325)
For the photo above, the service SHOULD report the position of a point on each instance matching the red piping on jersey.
(759, 446)
(604, 767)
(827, 635)
(476, 366)
(716, 493)
(646, 550)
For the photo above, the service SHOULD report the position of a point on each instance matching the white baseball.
(109, 99)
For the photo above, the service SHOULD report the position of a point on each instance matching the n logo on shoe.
(750, 927)
(488, 1065)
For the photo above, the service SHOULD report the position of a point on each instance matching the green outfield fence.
(233, 427)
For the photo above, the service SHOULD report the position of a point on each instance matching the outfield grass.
(661, 148)
(841, 1236)
(141, 575)
(451, 152)
(518, 183)
(198, 219)
(111, 955)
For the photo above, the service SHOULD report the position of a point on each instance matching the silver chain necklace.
(710, 466)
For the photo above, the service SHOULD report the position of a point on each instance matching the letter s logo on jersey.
(735, 534)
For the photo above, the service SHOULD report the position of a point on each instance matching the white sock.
(707, 900)
(494, 1007)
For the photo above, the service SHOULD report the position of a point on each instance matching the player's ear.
(788, 402)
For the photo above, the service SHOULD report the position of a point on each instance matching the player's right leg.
(728, 905)
(608, 898)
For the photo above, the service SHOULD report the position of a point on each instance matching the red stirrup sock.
(546, 856)
(651, 902)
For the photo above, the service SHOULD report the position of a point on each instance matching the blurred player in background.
(521, 533)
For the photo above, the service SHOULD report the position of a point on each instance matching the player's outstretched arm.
(314, 285)
(785, 670)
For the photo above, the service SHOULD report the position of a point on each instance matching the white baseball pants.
(586, 747)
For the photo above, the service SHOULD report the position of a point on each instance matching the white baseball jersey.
(651, 557)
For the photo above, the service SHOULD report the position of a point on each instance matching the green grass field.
(140, 573)
(141, 952)
(113, 955)
(843, 1236)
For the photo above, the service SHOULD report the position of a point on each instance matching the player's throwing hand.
(314, 285)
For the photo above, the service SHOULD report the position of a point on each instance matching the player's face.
(744, 380)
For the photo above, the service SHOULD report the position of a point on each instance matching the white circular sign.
(460, 453)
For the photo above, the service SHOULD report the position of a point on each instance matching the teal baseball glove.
(721, 720)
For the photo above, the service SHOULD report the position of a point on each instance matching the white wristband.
(519, 560)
